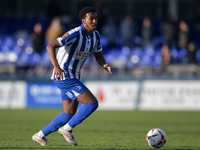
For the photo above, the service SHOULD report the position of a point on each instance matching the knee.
(95, 104)
(70, 111)
(70, 107)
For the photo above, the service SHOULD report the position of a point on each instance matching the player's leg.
(90, 105)
(69, 109)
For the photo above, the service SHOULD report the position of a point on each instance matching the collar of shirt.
(84, 31)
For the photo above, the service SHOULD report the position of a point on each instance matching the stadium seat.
(109, 58)
(104, 41)
(158, 41)
(145, 61)
(4, 49)
(137, 51)
(156, 58)
(17, 49)
(135, 57)
(198, 56)
(22, 59)
(8, 41)
(34, 59)
(125, 50)
(181, 55)
(150, 51)
(174, 53)
(45, 58)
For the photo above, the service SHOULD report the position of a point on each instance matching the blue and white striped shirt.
(75, 49)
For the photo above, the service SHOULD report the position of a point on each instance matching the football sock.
(82, 114)
(40, 133)
(58, 121)
(67, 127)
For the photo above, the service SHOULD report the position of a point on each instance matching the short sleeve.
(67, 38)
(98, 46)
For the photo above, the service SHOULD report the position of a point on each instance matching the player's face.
(90, 21)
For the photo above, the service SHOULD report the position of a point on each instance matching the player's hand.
(107, 68)
(58, 73)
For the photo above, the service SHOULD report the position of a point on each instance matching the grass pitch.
(109, 130)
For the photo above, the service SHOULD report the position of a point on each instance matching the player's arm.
(102, 62)
(51, 49)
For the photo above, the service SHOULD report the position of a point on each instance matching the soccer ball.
(156, 138)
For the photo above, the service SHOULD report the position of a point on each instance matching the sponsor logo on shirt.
(82, 55)
(78, 53)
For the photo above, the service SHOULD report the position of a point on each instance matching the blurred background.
(142, 40)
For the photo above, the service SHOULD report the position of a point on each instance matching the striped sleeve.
(98, 46)
(69, 37)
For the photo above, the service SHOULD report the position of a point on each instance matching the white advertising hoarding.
(12, 94)
(170, 95)
(115, 95)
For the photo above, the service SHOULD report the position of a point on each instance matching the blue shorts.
(70, 88)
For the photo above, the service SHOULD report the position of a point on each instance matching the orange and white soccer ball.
(156, 138)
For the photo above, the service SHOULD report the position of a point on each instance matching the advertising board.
(115, 94)
(43, 95)
(12, 94)
(170, 95)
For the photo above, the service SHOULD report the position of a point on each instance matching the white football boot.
(68, 135)
(40, 140)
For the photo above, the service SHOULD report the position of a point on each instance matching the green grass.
(107, 130)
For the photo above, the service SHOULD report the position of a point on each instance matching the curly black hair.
(86, 10)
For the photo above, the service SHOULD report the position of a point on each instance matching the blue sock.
(58, 121)
(83, 113)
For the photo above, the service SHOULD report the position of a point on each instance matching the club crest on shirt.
(65, 36)
(79, 87)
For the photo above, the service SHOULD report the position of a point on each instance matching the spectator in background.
(56, 29)
(109, 30)
(169, 30)
(183, 34)
(128, 29)
(147, 32)
(38, 38)
(165, 55)
(191, 53)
